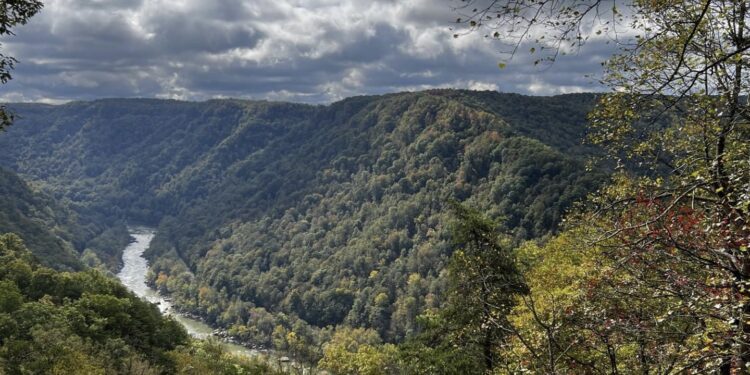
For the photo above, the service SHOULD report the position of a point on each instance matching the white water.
(133, 276)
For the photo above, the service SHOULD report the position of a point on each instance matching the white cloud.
(482, 86)
(303, 50)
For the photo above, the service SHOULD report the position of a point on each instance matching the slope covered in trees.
(31, 216)
(53, 233)
(57, 235)
(278, 218)
(80, 322)
(54, 322)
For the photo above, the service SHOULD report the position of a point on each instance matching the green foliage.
(282, 214)
(80, 322)
(104, 250)
(209, 357)
(432, 350)
(667, 290)
(357, 351)
(50, 230)
(679, 110)
(13, 13)
(483, 285)
(57, 235)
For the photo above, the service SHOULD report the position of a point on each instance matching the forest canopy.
(443, 231)
(278, 218)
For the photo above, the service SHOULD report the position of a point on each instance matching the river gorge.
(133, 276)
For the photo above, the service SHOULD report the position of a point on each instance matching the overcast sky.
(298, 50)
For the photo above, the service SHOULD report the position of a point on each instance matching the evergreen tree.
(483, 284)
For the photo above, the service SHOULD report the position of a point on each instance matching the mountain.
(291, 217)
(56, 235)
(51, 231)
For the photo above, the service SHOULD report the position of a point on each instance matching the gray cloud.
(300, 50)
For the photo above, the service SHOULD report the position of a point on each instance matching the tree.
(357, 351)
(548, 27)
(483, 284)
(681, 110)
(678, 126)
(12, 14)
(588, 312)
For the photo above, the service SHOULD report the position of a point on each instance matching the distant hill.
(288, 214)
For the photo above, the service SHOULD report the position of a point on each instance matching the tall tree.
(12, 14)
(483, 284)
(678, 114)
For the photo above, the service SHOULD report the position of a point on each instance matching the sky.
(314, 51)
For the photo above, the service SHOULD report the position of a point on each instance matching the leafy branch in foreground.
(673, 224)
(12, 13)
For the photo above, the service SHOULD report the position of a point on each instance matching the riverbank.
(133, 276)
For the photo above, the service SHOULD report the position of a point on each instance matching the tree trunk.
(742, 356)
(489, 360)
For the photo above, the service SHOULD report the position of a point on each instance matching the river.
(133, 276)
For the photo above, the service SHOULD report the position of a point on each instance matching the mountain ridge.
(320, 213)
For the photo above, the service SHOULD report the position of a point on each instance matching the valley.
(278, 218)
(374, 187)
(133, 276)
(365, 236)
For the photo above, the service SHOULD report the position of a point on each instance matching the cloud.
(298, 50)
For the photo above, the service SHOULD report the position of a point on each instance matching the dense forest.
(43, 224)
(54, 322)
(278, 218)
(56, 235)
(434, 232)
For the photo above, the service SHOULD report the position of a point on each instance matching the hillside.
(54, 322)
(51, 231)
(57, 235)
(76, 322)
(279, 216)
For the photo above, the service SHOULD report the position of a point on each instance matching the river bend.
(133, 276)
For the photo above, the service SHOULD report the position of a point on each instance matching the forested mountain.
(79, 322)
(278, 217)
(51, 231)
(58, 236)
(34, 218)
